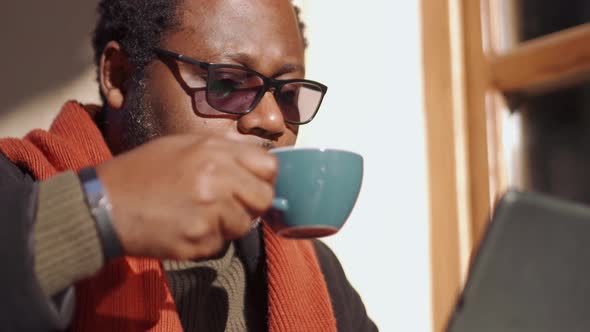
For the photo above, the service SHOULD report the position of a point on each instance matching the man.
(195, 92)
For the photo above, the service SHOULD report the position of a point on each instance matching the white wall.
(368, 53)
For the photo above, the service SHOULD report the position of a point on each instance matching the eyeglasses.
(237, 90)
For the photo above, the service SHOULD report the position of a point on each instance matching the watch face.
(94, 192)
(100, 208)
(104, 202)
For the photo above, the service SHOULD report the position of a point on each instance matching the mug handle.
(280, 204)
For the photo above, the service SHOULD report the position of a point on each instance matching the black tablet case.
(532, 270)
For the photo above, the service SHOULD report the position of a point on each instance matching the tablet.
(532, 270)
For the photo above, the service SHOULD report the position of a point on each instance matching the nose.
(266, 120)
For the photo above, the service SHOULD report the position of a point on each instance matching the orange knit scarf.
(132, 294)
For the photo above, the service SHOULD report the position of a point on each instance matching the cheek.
(172, 106)
(178, 113)
(172, 110)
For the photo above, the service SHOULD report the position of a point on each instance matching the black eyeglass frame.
(268, 83)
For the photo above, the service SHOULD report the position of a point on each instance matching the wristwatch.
(100, 209)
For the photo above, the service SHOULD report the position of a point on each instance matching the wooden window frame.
(467, 74)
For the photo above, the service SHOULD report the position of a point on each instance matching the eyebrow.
(249, 62)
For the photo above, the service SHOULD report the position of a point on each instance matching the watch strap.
(100, 209)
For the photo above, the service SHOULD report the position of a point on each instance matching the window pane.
(537, 18)
(556, 142)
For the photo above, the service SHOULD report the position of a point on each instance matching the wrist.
(100, 208)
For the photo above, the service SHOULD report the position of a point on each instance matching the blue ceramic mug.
(315, 191)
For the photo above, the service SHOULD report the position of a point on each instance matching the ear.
(114, 74)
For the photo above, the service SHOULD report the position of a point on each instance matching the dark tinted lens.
(299, 101)
(232, 90)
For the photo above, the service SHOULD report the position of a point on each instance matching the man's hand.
(185, 197)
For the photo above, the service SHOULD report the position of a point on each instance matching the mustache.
(266, 144)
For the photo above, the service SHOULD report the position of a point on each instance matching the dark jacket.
(25, 308)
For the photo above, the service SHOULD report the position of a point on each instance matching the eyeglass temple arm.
(181, 57)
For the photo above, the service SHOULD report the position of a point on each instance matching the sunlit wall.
(368, 53)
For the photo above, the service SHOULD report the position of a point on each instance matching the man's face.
(260, 34)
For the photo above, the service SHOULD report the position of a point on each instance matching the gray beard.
(140, 119)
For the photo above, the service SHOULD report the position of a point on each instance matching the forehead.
(265, 30)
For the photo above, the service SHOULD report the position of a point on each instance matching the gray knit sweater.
(209, 295)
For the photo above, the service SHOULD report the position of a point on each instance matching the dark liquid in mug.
(307, 232)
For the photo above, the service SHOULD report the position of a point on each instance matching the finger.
(203, 249)
(252, 157)
(235, 220)
(257, 160)
(254, 194)
(203, 237)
